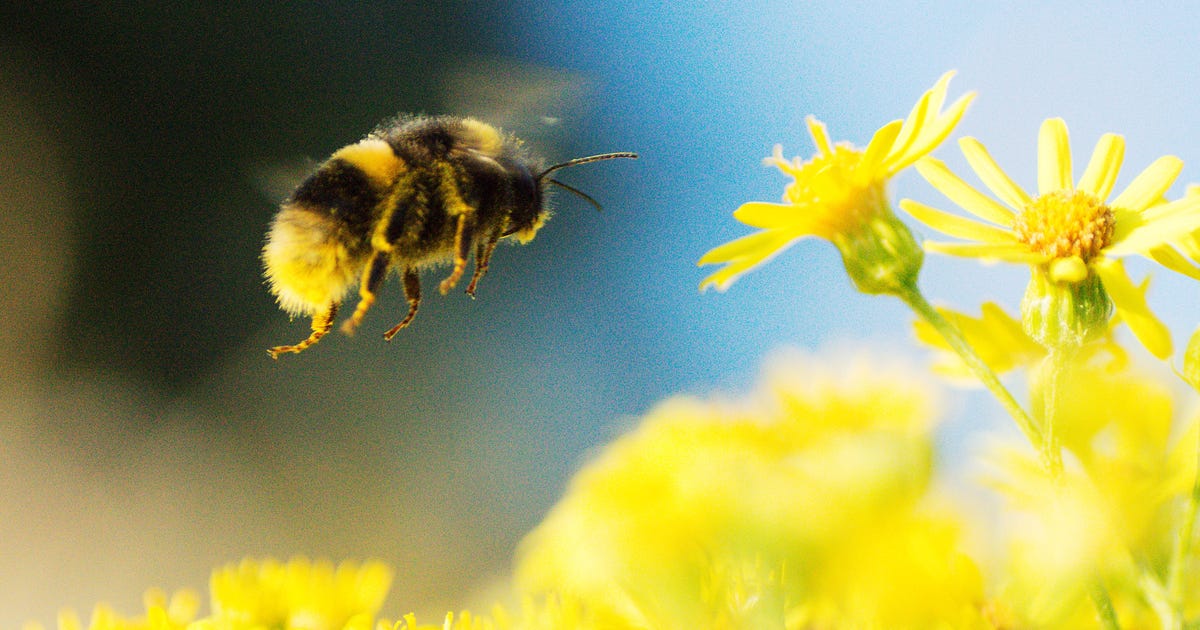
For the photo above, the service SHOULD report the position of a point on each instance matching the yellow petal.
(937, 93)
(1136, 235)
(916, 118)
(1148, 187)
(1132, 308)
(1190, 204)
(1054, 157)
(996, 336)
(868, 168)
(1189, 245)
(777, 160)
(740, 248)
(765, 215)
(935, 133)
(988, 252)
(799, 219)
(924, 133)
(743, 255)
(942, 178)
(1102, 169)
(955, 225)
(1170, 258)
(1191, 363)
(724, 278)
(820, 136)
(992, 175)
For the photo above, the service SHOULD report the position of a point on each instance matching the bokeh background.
(145, 436)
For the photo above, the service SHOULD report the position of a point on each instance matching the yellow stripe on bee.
(451, 195)
(401, 192)
(306, 264)
(374, 157)
(484, 137)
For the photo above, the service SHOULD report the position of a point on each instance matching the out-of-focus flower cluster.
(1115, 517)
(258, 595)
(801, 507)
(805, 507)
(812, 504)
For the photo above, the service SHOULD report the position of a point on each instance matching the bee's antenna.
(586, 197)
(585, 160)
(576, 162)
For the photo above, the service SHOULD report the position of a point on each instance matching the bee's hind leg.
(321, 324)
(463, 234)
(373, 275)
(483, 255)
(412, 292)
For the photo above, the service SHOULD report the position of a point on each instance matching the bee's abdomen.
(344, 191)
(351, 184)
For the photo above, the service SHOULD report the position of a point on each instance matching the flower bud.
(1063, 315)
(880, 254)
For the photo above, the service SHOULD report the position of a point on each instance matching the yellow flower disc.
(1066, 223)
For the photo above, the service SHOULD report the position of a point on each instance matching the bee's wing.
(277, 180)
(525, 100)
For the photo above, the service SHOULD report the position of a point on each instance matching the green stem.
(958, 343)
(1055, 369)
(1104, 606)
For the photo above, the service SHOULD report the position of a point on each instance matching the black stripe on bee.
(342, 189)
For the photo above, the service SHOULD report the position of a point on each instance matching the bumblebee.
(416, 192)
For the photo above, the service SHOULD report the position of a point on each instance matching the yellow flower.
(262, 595)
(299, 595)
(1070, 233)
(839, 196)
(808, 508)
(162, 613)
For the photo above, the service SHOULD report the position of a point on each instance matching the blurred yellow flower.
(1001, 342)
(161, 613)
(1070, 232)
(1114, 518)
(1191, 361)
(995, 335)
(297, 595)
(545, 613)
(809, 507)
(839, 196)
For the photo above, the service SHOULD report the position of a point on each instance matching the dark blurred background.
(145, 436)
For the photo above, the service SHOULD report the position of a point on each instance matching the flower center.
(1066, 223)
(826, 184)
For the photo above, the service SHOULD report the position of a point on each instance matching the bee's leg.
(373, 275)
(412, 292)
(462, 240)
(321, 324)
(483, 254)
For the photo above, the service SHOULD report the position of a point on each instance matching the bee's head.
(528, 217)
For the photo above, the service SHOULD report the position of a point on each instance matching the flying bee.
(416, 192)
